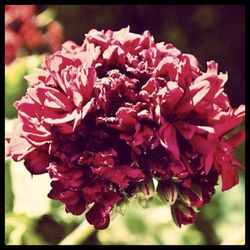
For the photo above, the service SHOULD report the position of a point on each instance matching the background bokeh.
(209, 32)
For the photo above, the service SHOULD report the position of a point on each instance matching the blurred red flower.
(22, 31)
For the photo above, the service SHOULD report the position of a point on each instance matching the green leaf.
(20, 230)
(15, 85)
(144, 202)
(122, 206)
(45, 18)
(30, 238)
(9, 196)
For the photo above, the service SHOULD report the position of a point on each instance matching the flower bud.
(144, 192)
(182, 214)
(192, 196)
(183, 194)
(146, 188)
(168, 192)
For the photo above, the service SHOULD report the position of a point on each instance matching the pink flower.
(18, 17)
(105, 117)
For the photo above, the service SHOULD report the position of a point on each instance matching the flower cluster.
(106, 118)
(22, 31)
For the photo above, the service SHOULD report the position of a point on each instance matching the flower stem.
(80, 234)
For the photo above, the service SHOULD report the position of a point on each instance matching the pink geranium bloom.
(105, 117)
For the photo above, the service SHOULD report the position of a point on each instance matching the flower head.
(107, 117)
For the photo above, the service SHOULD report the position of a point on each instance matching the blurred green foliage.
(15, 84)
(207, 31)
(19, 230)
(9, 196)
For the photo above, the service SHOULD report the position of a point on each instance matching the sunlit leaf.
(15, 85)
(20, 230)
(9, 196)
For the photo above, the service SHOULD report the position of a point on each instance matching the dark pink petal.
(76, 209)
(54, 118)
(128, 39)
(54, 194)
(150, 86)
(229, 176)
(82, 113)
(93, 193)
(70, 46)
(27, 107)
(64, 128)
(57, 100)
(205, 130)
(212, 68)
(98, 216)
(208, 162)
(187, 130)
(167, 136)
(120, 175)
(33, 95)
(19, 148)
(39, 77)
(101, 193)
(222, 101)
(88, 79)
(168, 49)
(212, 71)
(57, 62)
(192, 60)
(134, 173)
(37, 162)
(176, 168)
(170, 95)
(69, 197)
(235, 119)
(34, 132)
(199, 91)
(145, 114)
(127, 119)
(98, 38)
(77, 114)
(202, 145)
(167, 67)
(185, 75)
(114, 54)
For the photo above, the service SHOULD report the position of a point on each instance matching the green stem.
(80, 234)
